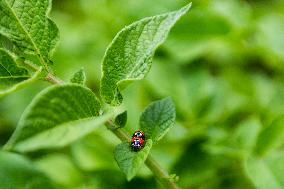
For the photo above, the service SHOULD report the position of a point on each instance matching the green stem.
(53, 79)
(160, 173)
(120, 133)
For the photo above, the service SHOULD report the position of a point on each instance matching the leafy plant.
(67, 111)
(222, 66)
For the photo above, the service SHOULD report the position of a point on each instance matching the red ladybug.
(139, 134)
(137, 143)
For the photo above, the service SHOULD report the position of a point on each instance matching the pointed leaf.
(17, 172)
(246, 135)
(129, 56)
(120, 120)
(13, 77)
(58, 116)
(266, 172)
(158, 118)
(79, 77)
(25, 22)
(270, 137)
(128, 160)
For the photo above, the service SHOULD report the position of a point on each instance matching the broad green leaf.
(26, 23)
(270, 137)
(158, 118)
(121, 120)
(129, 56)
(275, 161)
(60, 168)
(128, 160)
(16, 172)
(269, 36)
(266, 172)
(245, 136)
(58, 116)
(13, 77)
(63, 134)
(240, 143)
(95, 151)
(79, 77)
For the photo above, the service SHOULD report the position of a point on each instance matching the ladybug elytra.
(139, 134)
(137, 143)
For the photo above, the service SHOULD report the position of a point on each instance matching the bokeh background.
(223, 65)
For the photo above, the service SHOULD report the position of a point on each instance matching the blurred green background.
(223, 65)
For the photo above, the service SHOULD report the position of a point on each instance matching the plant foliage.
(221, 65)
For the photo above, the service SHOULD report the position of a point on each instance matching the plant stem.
(160, 173)
(53, 79)
(120, 133)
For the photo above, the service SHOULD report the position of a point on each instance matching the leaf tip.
(121, 119)
(79, 77)
(7, 147)
(185, 9)
(129, 177)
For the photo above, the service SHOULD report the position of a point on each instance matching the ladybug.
(139, 134)
(137, 143)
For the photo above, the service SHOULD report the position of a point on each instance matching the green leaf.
(60, 168)
(95, 151)
(79, 77)
(58, 116)
(158, 118)
(270, 137)
(129, 56)
(5, 43)
(13, 77)
(121, 120)
(17, 172)
(246, 135)
(63, 134)
(240, 143)
(266, 172)
(128, 160)
(275, 161)
(25, 22)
